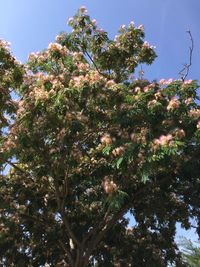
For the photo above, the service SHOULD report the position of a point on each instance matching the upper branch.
(185, 71)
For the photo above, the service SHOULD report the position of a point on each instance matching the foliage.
(190, 252)
(86, 144)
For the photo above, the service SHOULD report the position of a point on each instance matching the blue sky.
(31, 25)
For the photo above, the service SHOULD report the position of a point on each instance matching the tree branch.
(69, 256)
(107, 224)
(185, 71)
(91, 59)
(63, 215)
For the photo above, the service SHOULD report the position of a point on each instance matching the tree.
(190, 252)
(86, 144)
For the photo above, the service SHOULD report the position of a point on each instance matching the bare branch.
(141, 73)
(185, 71)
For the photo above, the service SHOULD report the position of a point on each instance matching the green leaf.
(145, 177)
(106, 150)
(119, 161)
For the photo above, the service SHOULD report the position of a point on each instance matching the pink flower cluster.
(118, 151)
(146, 45)
(83, 9)
(188, 101)
(39, 94)
(55, 47)
(77, 56)
(164, 140)
(4, 44)
(110, 84)
(173, 104)
(165, 82)
(152, 103)
(109, 186)
(148, 87)
(106, 139)
(82, 67)
(194, 113)
(92, 77)
(188, 82)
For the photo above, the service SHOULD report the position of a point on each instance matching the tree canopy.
(86, 144)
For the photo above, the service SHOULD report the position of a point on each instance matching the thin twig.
(185, 71)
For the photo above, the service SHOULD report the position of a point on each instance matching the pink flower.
(152, 103)
(162, 81)
(166, 82)
(146, 89)
(141, 27)
(173, 104)
(163, 140)
(188, 82)
(158, 95)
(110, 83)
(106, 139)
(194, 113)
(109, 186)
(188, 101)
(198, 125)
(118, 151)
(180, 133)
(83, 9)
(169, 81)
(137, 89)
(94, 22)
(70, 20)
(145, 45)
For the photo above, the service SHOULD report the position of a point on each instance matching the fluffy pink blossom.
(106, 139)
(83, 9)
(188, 82)
(152, 103)
(163, 140)
(165, 82)
(109, 186)
(4, 44)
(141, 27)
(146, 45)
(94, 22)
(70, 20)
(147, 88)
(194, 113)
(137, 89)
(188, 101)
(173, 104)
(131, 24)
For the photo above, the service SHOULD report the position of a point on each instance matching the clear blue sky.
(31, 24)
